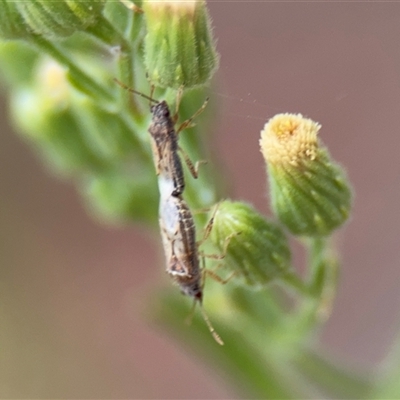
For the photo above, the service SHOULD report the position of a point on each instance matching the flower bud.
(43, 114)
(12, 25)
(61, 18)
(179, 47)
(310, 194)
(256, 249)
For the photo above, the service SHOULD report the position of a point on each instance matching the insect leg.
(194, 169)
(188, 123)
(224, 250)
(210, 327)
(217, 278)
(208, 228)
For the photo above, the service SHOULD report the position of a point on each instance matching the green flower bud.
(44, 116)
(179, 47)
(61, 18)
(12, 25)
(310, 194)
(118, 196)
(256, 249)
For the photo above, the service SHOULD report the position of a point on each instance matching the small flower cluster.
(59, 58)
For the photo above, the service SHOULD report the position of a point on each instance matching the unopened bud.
(256, 249)
(179, 46)
(43, 114)
(60, 18)
(310, 194)
(12, 25)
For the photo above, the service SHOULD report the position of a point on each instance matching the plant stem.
(296, 283)
(316, 248)
(337, 381)
(253, 374)
(106, 32)
(78, 78)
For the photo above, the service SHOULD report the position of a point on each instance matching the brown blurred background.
(73, 292)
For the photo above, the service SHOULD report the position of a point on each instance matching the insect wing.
(173, 241)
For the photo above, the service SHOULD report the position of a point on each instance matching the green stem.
(126, 75)
(77, 77)
(336, 381)
(296, 283)
(106, 32)
(316, 249)
(388, 374)
(323, 272)
(253, 374)
(324, 269)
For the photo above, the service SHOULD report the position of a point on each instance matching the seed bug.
(165, 144)
(178, 234)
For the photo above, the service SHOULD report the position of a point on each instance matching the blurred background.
(74, 293)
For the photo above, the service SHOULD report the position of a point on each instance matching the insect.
(177, 227)
(178, 234)
(165, 144)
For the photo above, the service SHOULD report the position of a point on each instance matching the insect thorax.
(165, 147)
(162, 126)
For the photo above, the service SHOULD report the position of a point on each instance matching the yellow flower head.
(289, 139)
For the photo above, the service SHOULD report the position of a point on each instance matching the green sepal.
(311, 200)
(12, 25)
(57, 19)
(257, 249)
(179, 46)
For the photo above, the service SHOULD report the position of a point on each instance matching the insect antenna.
(214, 334)
(135, 91)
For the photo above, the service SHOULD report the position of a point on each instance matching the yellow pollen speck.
(52, 79)
(289, 139)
